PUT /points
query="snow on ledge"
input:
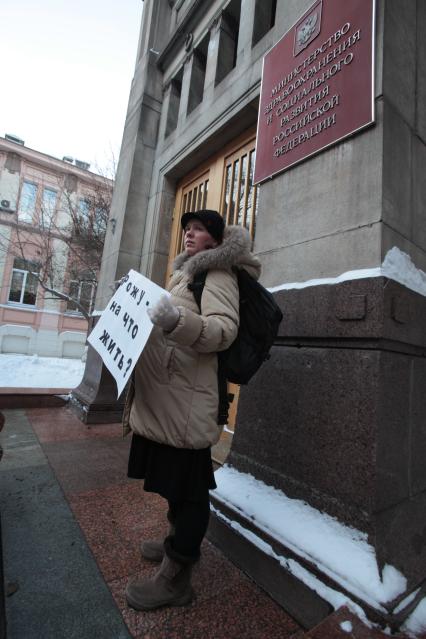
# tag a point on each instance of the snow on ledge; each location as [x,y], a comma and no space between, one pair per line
[397,266]
[416,622]
[349,275]
[334,598]
[341,552]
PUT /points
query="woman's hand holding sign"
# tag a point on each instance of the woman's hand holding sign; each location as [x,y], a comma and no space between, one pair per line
[123,328]
[164,314]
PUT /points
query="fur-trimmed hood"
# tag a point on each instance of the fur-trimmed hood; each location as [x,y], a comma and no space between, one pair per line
[235,250]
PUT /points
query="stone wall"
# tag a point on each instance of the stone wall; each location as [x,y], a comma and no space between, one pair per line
[336,416]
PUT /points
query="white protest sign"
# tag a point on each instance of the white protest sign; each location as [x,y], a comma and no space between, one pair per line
[124,326]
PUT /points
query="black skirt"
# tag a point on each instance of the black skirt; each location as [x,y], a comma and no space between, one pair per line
[176,474]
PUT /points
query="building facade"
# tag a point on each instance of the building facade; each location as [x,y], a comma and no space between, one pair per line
[42,202]
[336,416]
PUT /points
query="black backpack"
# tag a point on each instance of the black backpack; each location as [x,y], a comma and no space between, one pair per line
[260,318]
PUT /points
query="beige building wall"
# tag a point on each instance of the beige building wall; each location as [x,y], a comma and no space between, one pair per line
[45,328]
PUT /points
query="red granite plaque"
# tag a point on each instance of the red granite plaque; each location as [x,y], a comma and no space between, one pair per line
[317,84]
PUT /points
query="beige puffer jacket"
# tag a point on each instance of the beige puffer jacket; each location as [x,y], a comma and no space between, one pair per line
[174,399]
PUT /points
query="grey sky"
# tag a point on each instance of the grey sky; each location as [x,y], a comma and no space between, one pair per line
[66,70]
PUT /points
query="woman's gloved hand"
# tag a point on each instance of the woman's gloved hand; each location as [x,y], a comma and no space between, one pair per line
[164,314]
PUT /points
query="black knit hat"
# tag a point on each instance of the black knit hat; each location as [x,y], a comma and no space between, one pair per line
[212,221]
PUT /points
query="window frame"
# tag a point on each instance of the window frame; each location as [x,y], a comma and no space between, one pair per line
[81,282]
[26,216]
[47,210]
[21,303]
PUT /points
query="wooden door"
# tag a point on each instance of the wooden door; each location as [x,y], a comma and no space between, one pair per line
[192,195]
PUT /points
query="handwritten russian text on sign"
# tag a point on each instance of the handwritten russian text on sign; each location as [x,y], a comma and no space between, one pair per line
[317,84]
[124,326]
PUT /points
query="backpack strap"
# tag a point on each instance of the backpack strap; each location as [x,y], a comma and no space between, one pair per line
[197,287]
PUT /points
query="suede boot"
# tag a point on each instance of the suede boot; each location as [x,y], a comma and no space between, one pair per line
[170,586]
[153,550]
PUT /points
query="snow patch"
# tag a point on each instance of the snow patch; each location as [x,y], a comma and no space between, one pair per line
[397,266]
[32,371]
[416,622]
[346,626]
[341,552]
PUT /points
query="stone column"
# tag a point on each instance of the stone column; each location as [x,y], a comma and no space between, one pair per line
[212,58]
[94,399]
[186,83]
[245,34]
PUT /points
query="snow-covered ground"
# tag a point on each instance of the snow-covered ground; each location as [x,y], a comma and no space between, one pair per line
[31,371]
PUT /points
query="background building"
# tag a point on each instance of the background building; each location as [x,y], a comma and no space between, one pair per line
[53,215]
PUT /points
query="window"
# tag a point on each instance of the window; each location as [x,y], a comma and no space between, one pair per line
[23,288]
[83,208]
[174,102]
[47,207]
[240,200]
[80,217]
[198,74]
[228,40]
[49,200]
[264,18]
[27,202]
[84,292]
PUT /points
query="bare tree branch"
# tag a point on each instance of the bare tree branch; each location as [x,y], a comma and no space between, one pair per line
[65,241]
[62,296]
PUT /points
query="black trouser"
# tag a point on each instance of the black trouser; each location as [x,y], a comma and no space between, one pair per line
[190,519]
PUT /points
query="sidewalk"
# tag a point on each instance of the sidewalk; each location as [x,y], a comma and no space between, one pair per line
[71,526]
[72,523]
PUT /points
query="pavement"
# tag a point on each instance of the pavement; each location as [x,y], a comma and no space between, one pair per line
[72,523]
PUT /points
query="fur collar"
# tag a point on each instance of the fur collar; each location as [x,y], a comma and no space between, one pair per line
[234,251]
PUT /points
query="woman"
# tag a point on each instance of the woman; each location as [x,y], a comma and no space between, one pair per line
[172,408]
